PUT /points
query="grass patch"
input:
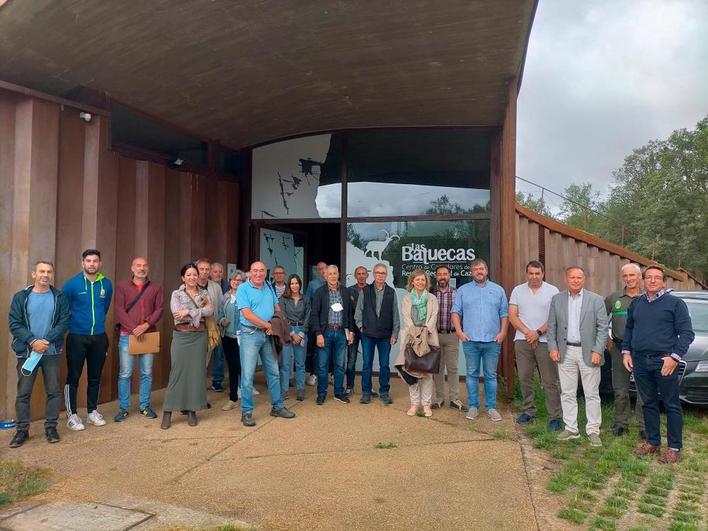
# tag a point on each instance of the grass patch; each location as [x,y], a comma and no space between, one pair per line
[611,512]
[501,434]
[18,481]
[686,517]
[655,490]
[603,523]
[385,446]
[653,510]
[572,515]
[681,526]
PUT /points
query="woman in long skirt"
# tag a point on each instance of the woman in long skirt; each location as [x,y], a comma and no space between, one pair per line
[186,391]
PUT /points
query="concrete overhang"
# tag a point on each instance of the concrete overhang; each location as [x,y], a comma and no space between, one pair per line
[246,72]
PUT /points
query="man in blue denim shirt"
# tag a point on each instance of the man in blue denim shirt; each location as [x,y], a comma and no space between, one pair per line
[257,304]
[480,316]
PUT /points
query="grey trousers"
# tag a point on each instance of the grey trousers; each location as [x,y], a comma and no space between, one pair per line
[620,386]
[50,374]
[449,356]
[527,359]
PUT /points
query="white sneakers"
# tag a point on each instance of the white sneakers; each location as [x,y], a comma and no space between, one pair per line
[311,380]
[74,423]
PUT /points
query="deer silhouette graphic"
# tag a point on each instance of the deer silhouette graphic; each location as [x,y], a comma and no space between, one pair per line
[375,248]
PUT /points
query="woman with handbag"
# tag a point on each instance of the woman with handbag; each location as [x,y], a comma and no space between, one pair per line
[190,307]
[230,323]
[419,311]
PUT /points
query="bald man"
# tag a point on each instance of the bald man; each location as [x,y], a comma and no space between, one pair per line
[257,303]
[138,307]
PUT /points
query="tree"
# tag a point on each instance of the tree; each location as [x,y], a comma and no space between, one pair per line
[533,203]
[580,206]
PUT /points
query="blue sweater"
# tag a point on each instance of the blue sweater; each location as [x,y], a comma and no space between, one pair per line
[663,325]
[89,302]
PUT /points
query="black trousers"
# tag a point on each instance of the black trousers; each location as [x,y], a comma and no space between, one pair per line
[233,360]
[93,350]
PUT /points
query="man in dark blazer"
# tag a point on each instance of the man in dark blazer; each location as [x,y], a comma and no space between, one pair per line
[331,323]
[577,333]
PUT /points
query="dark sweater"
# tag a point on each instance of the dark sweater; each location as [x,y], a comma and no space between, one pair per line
[661,326]
[319,314]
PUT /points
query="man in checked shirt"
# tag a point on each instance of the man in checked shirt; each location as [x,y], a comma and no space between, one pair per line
[449,343]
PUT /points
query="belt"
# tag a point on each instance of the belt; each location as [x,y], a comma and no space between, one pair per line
[568,343]
[256,328]
[188,327]
[295,323]
[334,327]
[446,331]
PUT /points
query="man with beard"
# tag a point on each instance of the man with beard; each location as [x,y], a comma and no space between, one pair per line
[89,294]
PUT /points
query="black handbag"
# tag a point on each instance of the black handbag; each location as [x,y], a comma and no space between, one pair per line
[429,363]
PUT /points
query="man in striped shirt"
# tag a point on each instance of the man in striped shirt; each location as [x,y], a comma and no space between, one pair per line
[449,343]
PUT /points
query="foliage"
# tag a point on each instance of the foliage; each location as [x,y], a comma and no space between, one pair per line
[537,204]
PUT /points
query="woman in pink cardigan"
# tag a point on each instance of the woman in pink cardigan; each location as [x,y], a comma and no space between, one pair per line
[419,308]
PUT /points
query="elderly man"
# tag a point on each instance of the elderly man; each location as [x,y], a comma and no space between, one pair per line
[39,317]
[279,280]
[361,275]
[138,308]
[257,304]
[331,322]
[616,305]
[377,317]
[216,296]
[577,332]
[480,315]
[658,334]
[528,312]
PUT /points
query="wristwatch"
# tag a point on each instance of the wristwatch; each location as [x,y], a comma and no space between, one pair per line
[539,332]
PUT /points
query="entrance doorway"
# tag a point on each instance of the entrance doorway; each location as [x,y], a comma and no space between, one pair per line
[297,246]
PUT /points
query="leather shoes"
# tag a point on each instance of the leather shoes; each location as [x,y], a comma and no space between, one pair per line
[52,435]
[19,439]
[619,431]
[192,418]
[166,420]
[670,456]
[283,413]
[646,448]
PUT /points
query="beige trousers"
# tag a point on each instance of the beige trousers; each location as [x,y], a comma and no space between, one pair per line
[449,355]
[422,392]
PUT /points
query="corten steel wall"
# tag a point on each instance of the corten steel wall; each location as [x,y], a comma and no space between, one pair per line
[559,246]
[63,191]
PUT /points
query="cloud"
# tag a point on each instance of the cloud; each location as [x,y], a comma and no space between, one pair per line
[603,78]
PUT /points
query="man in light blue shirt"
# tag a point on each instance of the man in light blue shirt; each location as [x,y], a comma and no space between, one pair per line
[480,315]
[257,304]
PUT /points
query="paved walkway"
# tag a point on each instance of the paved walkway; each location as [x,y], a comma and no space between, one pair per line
[321,470]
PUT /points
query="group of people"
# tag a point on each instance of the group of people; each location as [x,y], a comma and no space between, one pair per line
[562,334]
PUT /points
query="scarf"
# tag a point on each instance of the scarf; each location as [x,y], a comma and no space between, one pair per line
[420,303]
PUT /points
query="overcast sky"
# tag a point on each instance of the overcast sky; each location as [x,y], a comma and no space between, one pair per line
[605,77]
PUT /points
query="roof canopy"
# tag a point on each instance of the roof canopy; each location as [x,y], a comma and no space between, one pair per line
[248,72]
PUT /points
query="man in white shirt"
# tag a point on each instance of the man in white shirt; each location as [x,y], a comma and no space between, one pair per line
[528,313]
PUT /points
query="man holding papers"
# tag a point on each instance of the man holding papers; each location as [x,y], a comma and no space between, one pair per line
[139,304]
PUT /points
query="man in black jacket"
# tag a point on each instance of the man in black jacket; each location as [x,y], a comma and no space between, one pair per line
[331,323]
[39,317]
[377,317]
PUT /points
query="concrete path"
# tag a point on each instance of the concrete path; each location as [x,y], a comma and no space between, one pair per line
[321,470]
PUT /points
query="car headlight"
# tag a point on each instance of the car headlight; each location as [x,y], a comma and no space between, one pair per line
[702,366]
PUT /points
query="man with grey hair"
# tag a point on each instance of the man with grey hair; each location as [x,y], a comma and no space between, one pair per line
[279,280]
[376,315]
[331,323]
[616,305]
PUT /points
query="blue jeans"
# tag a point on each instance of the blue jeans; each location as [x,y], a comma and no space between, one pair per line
[126,372]
[217,368]
[298,352]
[334,349]
[488,352]
[384,348]
[352,353]
[651,384]
[254,344]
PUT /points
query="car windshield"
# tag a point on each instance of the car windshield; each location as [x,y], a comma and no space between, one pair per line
[699,315]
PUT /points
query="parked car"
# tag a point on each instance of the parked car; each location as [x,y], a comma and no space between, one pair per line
[693,369]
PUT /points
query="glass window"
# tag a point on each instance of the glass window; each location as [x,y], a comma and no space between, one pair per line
[408,245]
[418,172]
[298,178]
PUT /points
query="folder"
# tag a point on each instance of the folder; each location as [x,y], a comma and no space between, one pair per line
[148,343]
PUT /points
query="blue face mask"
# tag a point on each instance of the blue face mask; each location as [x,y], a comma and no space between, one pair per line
[31,363]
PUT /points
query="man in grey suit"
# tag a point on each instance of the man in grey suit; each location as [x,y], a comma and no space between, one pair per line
[577,332]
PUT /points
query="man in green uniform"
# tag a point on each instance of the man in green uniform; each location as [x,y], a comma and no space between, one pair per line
[616,305]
